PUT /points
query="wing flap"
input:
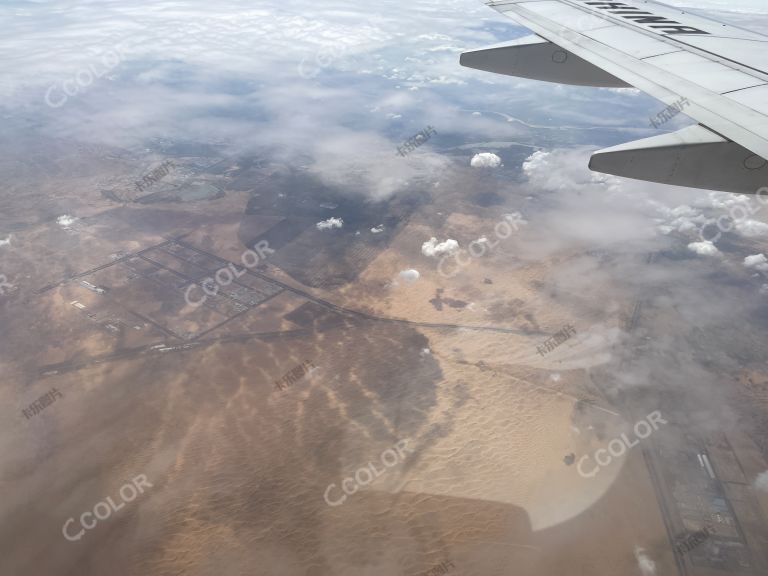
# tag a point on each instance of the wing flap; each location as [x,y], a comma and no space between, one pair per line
[631,43]
[711,75]
[537,58]
[694,156]
[754,98]
[747,53]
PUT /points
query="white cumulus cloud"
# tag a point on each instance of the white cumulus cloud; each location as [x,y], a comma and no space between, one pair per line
[330,224]
[485,160]
[761,482]
[433,248]
[705,248]
[647,566]
[758,262]
[66,221]
[751,228]
[410,275]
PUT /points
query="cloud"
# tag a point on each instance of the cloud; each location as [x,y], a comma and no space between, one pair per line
[761,482]
[6,241]
[433,249]
[566,169]
[359,162]
[377,229]
[66,221]
[590,208]
[410,276]
[330,224]
[683,219]
[705,248]
[758,262]
[644,562]
[485,160]
[751,228]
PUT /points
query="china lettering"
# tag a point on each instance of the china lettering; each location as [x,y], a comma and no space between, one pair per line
[41,403]
[415,141]
[565,334]
[294,375]
[640,16]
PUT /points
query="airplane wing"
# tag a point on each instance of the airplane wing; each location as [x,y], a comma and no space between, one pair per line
[716,73]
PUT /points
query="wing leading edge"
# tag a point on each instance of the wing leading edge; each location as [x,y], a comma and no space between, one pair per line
[719,71]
